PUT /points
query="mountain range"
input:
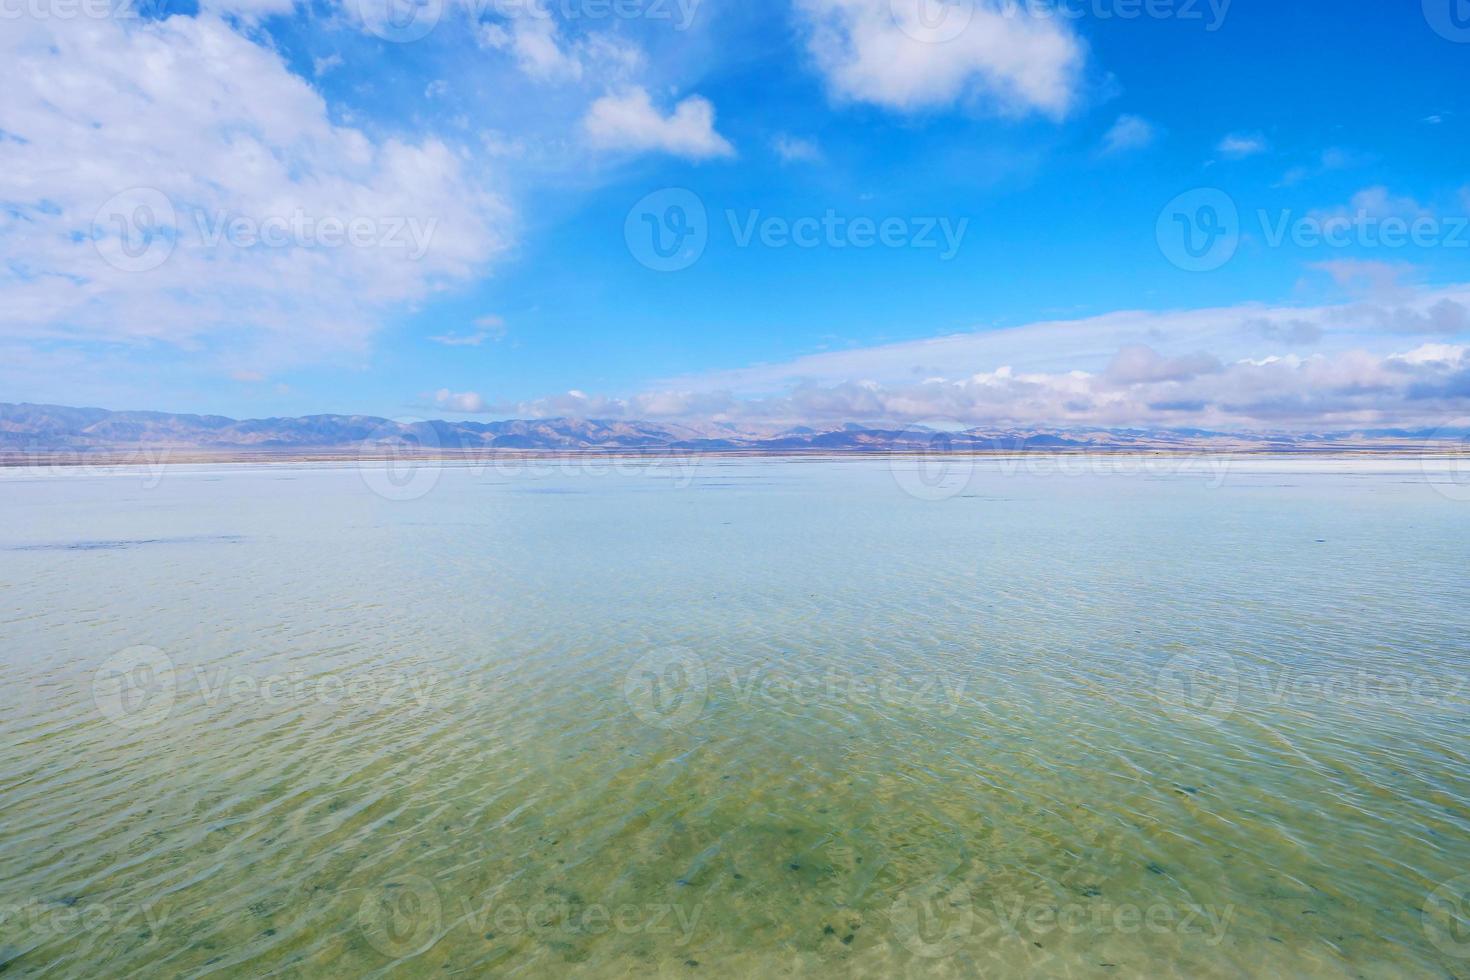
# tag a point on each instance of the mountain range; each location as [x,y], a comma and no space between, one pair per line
[41,429]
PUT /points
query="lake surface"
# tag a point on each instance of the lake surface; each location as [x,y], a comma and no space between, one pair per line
[737,718]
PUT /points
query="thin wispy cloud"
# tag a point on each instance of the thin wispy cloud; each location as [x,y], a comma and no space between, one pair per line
[1127,134]
[1330,161]
[486,328]
[794,149]
[1238,146]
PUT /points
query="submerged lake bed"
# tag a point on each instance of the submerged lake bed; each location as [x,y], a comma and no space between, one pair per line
[945,716]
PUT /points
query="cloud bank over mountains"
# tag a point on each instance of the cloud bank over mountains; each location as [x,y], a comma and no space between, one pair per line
[1388,362]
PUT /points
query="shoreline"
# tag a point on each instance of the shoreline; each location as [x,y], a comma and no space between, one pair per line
[171,456]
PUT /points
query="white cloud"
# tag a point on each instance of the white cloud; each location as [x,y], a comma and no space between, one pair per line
[895,54]
[1129,133]
[1348,389]
[1238,146]
[534,38]
[216,130]
[630,121]
[1228,368]
[793,149]
[537,49]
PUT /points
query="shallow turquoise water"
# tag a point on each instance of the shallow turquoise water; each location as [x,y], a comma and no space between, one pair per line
[739,717]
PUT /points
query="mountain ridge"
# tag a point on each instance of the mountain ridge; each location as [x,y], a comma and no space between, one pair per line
[37,428]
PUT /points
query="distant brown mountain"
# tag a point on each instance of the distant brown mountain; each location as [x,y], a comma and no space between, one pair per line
[26,428]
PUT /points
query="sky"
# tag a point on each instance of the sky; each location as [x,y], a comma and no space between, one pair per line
[1228,214]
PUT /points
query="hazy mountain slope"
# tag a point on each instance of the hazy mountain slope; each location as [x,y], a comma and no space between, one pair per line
[52,428]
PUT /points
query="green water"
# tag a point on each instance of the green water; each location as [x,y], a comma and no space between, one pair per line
[736,718]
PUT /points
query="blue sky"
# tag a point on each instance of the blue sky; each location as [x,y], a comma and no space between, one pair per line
[170,175]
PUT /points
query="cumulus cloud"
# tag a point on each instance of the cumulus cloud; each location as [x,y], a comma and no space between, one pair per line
[1129,133]
[210,201]
[896,54]
[630,121]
